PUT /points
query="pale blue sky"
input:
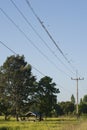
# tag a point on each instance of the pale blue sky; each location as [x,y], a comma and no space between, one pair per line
[66,20]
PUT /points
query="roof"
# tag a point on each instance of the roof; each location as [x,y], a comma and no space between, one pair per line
[30,114]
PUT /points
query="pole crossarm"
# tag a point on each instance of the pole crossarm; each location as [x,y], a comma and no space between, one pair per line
[77,78]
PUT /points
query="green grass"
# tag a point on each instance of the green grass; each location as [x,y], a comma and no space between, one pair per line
[63,123]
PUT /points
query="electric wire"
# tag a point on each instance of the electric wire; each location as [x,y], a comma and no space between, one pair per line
[15,54]
[29,39]
[27,21]
[8,48]
[52,52]
[50,36]
[30,64]
[23,33]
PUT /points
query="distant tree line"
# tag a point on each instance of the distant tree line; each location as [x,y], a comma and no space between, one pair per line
[20,92]
[69,107]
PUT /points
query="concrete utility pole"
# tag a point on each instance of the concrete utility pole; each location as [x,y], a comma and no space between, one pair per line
[77,79]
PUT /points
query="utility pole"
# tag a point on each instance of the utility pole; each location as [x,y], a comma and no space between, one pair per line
[77,79]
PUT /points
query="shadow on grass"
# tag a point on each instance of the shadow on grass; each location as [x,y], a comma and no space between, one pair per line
[9,128]
[4,128]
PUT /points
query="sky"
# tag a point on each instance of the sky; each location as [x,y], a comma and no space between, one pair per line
[66,21]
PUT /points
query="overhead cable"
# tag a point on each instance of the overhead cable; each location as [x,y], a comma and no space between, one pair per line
[27,21]
[23,33]
[50,36]
[8,47]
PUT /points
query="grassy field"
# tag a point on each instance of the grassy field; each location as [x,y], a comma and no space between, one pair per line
[47,124]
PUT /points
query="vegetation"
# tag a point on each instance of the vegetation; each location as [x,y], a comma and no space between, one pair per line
[63,123]
[45,96]
[73,99]
[18,85]
[20,93]
[19,90]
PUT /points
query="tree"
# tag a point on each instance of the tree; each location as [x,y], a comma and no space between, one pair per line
[58,109]
[67,107]
[83,108]
[85,99]
[73,99]
[19,83]
[4,98]
[83,105]
[46,96]
[81,101]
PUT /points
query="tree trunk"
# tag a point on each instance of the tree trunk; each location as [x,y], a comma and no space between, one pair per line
[17,117]
[40,118]
[6,117]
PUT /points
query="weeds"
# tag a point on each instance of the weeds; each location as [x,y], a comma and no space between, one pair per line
[47,124]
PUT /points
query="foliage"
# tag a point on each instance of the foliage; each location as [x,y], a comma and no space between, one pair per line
[59,110]
[46,96]
[73,99]
[83,105]
[19,83]
[83,108]
[19,90]
[67,107]
[85,99]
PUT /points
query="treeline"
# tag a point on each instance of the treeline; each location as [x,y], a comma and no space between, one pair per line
[69,107]
[20,91]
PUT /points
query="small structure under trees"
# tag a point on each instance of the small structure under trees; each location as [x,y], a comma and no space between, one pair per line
[29,116]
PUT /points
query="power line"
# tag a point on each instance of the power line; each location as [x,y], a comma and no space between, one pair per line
[32,66]
[16,53]
[50,36]
[27,21]
[23,33]
[8,48]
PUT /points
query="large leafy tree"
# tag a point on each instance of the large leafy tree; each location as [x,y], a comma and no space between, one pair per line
[19,83]
[46,96]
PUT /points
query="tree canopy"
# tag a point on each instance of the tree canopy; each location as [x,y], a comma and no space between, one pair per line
[19,89]
[46,95]
[18,82]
